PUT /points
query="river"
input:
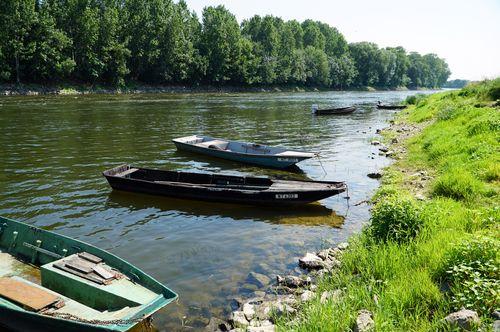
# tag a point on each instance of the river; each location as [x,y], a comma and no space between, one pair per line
[54,149]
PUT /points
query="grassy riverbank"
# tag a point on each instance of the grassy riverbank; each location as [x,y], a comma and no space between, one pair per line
[433,243]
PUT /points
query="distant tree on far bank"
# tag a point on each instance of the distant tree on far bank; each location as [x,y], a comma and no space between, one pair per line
[456,84]
[163,42]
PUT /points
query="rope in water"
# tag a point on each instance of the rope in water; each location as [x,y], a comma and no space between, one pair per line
[321,164]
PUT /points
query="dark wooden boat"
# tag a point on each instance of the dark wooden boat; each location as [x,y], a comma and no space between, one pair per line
[250,153]
[50,282]
[390,107]
[219,187]
[332,111]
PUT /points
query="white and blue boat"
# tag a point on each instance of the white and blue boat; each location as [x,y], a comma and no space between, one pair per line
[250,153]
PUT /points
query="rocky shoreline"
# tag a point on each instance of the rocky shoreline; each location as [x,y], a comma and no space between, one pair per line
[260,312]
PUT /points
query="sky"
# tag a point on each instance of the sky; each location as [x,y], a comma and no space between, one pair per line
[464,32]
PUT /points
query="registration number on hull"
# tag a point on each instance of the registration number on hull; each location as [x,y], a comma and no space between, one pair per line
[287,196]
[293,160]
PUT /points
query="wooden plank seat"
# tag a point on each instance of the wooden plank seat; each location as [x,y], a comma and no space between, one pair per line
[28,296]
[127,172]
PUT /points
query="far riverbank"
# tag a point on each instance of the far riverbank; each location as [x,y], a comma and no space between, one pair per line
[84,89]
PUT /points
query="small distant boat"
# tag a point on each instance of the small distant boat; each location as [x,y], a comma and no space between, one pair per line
[332,111]
[49,282]
[250,153]
[390,107]
[220,187]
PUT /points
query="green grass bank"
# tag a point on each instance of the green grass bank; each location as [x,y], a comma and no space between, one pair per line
[433,243]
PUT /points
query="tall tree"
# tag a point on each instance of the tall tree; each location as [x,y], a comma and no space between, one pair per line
[342,71]
[16,22]
[220,44]
[50,59]
[366,57]
[317,69]
[312,35]
[335,43]
[400,65]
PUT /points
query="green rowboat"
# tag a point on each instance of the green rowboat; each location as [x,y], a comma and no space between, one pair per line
[49,282]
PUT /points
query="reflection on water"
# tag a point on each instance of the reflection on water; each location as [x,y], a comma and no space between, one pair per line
[308,215]
[53,150]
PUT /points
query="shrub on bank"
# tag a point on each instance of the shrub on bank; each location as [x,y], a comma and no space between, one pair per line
[395,219]
[415,99]
[471,268]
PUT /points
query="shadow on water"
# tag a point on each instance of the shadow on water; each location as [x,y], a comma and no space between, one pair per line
[293,172]
[313,214]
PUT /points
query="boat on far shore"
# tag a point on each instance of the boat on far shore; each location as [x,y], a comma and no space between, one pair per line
[332,110]
[381,106]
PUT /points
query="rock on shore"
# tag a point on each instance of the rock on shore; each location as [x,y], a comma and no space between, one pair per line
[258,314]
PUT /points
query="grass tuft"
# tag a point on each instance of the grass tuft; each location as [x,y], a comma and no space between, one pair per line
[395,219]
[457,184]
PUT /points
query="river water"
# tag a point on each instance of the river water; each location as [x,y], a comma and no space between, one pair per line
[53,150]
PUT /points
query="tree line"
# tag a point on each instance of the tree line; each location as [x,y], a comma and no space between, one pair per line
[164,42]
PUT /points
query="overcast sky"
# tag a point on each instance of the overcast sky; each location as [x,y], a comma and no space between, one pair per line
[464,32]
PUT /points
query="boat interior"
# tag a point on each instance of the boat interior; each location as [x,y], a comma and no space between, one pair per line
[219,180]
[240,147]
[159,176]
[41,274]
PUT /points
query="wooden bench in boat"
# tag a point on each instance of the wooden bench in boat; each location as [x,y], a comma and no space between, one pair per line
[23,293]
[66,305]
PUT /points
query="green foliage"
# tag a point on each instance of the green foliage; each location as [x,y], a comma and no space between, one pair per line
[395,219]
[366,57]
[484,126]
[50,60]
[486,90]
[342,71]
[317,70]
[471,268]
[163,42]
[220,42]
[415,99]
[17,18]
[458,184]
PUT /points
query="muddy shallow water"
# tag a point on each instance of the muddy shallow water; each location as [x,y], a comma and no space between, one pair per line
[54,149]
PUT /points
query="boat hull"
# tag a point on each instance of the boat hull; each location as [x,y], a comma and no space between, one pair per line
[335,111]
[391,107]
[22,321]
[291,194]
[280,162]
